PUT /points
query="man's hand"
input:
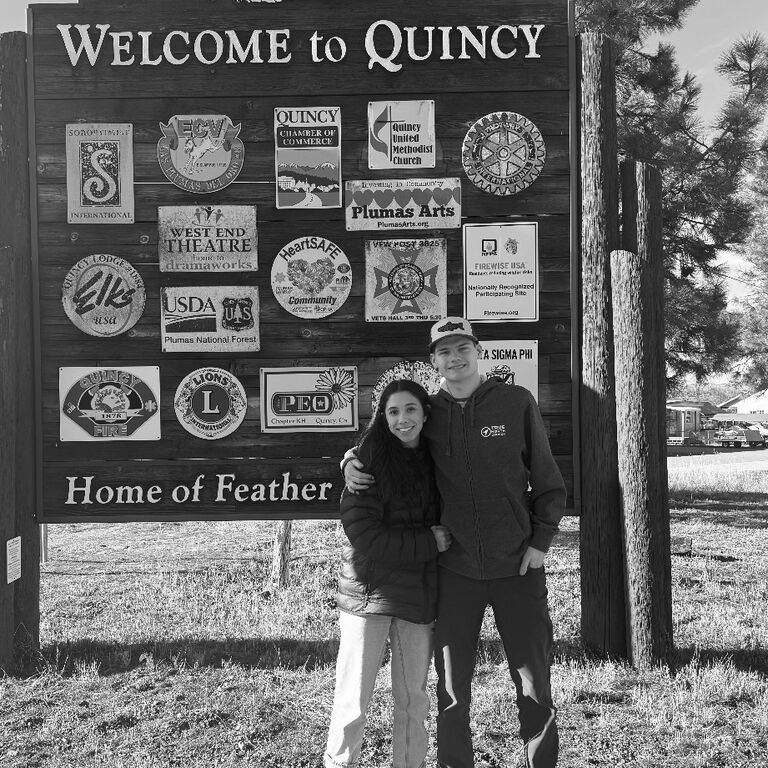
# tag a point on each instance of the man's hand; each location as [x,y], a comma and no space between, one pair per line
[533,558]
[442,537]
[355,478]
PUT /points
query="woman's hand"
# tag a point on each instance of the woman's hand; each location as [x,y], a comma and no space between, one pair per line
[442,537]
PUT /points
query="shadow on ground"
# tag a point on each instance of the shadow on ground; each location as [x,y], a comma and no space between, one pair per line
[735,513]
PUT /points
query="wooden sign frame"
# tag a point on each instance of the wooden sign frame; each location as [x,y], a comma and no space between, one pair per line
[243,63]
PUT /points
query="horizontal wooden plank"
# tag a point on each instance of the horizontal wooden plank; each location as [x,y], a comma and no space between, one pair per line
[259,162]
[548,110]
[227,490]
[55,77]
[548,195]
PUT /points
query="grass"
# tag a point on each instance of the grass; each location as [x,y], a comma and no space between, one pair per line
[163,646]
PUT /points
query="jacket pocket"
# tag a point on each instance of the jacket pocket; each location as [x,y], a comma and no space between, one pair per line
[504,528]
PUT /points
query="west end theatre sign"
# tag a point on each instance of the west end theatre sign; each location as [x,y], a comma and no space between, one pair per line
[216,305]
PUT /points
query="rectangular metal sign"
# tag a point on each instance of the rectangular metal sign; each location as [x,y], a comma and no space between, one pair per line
[222,318]
[403,204]
[405,280]
[401,134]
[207,238]
[99,173]
[308,157]
[13,560]
[501,272]
[309,399]
[513,361]
[105,404]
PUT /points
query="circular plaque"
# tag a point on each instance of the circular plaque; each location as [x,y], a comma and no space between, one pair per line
[503,153]
[421,373]
[103,295]
[210,403]
[311,277]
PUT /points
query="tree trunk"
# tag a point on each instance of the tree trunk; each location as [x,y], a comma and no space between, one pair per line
[602,569]
[642,234]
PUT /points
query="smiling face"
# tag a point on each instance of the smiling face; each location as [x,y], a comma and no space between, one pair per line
[405,417]
[455,359]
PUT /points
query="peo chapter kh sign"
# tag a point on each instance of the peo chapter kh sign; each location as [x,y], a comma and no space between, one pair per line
[207,238]
[99,173]
[200,153]
[309,399]
[105,404]
[210,319]
[405,280]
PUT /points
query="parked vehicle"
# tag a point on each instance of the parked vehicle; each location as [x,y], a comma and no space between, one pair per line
[739,437]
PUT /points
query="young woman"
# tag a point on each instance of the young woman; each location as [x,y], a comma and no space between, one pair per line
[388,581]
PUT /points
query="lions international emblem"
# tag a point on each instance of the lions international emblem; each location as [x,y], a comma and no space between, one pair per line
[503,153]
[200,153]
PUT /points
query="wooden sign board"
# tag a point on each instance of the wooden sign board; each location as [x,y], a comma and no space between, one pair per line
[217,108]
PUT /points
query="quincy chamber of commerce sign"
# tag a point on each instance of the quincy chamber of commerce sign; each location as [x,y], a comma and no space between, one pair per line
[246,221]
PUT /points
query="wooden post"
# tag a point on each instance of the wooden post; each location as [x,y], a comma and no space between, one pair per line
[17,466]
[281,556]
[642,234]
[602,570]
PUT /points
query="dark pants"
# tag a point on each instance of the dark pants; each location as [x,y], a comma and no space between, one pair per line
[522,618]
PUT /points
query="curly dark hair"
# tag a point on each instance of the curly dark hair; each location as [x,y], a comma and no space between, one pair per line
[384,455]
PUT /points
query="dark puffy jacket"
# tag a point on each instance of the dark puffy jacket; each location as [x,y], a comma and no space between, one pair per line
[389,566]
[502,490]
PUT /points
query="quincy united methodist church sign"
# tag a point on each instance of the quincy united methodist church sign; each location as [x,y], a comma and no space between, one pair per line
[247,215]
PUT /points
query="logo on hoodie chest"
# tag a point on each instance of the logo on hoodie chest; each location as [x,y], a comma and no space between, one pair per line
[496,430]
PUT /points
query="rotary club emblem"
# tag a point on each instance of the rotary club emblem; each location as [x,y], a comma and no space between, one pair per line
[503,153]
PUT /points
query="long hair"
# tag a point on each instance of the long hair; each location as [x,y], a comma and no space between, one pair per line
[393,465]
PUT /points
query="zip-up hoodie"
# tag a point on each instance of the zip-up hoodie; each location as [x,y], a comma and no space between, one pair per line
[486,455]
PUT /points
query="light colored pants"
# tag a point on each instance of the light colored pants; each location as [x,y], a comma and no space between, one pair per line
[361,650]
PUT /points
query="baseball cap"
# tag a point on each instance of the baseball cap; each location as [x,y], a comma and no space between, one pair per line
[450,326]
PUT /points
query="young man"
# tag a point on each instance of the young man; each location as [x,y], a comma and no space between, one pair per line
[502,498]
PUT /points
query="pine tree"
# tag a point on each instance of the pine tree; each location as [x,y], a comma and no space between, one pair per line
[703,171]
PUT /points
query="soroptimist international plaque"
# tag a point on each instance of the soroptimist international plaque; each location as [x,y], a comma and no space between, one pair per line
[200,153]
[222,318]
[103,295]
[210,403]
[311,277]
[405,279]
[99,173]
[513,361]
[309,399]
[207,238]
[403,204]
[501,272]
[104,404]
